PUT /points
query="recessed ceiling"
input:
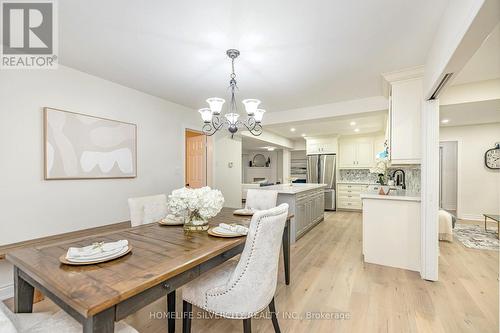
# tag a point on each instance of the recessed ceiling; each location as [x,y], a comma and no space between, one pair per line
[345,125]
[293,53]
[485,63]
[473,113]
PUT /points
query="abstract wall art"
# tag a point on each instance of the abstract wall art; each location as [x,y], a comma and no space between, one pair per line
[78,146]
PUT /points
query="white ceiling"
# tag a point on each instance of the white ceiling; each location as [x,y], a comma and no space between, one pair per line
[294,53]
[485,63]
[473,113]
[366,123]
[249,144]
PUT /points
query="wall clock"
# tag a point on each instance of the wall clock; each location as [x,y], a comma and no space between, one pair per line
[492,157]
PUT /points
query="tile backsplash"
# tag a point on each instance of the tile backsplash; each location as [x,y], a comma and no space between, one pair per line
[412,176]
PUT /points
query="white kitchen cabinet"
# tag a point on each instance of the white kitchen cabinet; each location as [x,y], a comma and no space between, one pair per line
[321,145]
[405,111]
[348,195]
[364,154]
[356,153]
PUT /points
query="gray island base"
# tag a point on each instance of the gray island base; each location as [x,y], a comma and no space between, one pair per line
[306,203]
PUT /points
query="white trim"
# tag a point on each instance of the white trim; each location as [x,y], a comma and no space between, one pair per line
[6,292]
[430,191]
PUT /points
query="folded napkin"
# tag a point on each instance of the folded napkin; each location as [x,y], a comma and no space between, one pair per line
[96,250]
[239,229]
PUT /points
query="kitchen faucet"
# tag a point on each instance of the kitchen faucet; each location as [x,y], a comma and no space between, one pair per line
[399,177]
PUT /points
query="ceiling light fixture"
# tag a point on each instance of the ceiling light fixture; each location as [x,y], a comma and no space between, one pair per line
[292,129]
[356,130]
[445,121]
[303,134]
[213,120]
[352,123]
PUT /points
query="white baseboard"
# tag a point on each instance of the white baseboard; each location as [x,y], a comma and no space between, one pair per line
[471,217]
[6,292]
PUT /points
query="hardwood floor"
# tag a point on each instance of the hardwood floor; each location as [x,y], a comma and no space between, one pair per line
[329,276]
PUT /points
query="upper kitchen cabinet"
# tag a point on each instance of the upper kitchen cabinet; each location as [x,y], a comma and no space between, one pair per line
[356,152]
[321,145]
[406,94]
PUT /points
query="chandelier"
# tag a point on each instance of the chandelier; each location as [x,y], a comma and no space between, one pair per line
[212,117]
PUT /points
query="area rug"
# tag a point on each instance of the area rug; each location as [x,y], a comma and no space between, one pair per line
[475,237]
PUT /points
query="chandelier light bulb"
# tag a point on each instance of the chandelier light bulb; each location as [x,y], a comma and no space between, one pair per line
[206,114]
[215,105]
[258,115]
[251,105]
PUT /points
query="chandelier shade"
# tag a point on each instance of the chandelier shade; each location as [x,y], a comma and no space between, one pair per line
[251,105]
[212,116]
[215,105]
[206,115]
[259,114]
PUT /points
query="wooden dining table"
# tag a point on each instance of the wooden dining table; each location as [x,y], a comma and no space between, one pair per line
[163,258]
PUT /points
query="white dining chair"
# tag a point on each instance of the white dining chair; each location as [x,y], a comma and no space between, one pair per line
[147,209]
[261,199]
[46,322]
[242,289]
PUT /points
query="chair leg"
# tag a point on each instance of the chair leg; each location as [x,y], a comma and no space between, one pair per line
[187,309]
[274,318]
[247,325]
[171,311]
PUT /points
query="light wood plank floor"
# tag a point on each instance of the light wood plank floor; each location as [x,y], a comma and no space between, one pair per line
[328,276]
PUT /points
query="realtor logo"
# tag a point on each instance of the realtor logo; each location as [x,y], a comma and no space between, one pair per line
[28,34]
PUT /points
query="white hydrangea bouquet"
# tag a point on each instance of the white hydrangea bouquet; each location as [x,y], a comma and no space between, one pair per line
[196,205]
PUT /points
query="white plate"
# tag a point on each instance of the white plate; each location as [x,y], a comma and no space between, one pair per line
[244,212]
[169,221]
[225,232]
[107,256]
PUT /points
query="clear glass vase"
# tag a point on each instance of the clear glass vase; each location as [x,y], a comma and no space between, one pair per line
[194,222]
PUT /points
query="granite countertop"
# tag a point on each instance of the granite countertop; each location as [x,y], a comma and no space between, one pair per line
[401,195]
[292,189]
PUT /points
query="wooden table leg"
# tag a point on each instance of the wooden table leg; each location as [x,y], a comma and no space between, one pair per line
[171,311]
[286,251]
[103,322]
[23,294]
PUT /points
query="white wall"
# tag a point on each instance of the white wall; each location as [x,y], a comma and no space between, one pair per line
[478,186]
[271,173]
[449,174]
[33,207]
[228,178]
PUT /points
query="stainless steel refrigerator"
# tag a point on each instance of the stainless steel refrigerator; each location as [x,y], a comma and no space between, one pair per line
[321,170]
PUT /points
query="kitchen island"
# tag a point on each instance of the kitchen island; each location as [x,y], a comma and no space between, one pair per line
[306,203]
[391,229]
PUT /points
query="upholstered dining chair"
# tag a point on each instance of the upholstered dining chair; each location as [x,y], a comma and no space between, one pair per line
[147,209]
[241,289]
[261,199]
[46,322]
